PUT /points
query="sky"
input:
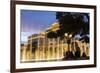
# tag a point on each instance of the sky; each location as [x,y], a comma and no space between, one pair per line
[34,22]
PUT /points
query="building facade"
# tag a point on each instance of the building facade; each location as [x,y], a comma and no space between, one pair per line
[41,48]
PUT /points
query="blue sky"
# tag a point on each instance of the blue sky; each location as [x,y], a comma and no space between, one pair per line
[33,21]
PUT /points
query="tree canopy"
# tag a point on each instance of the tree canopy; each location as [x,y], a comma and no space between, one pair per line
[71,23]
[75,23]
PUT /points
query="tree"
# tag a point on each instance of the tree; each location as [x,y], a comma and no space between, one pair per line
[85,39]
[52,34]
[74,23]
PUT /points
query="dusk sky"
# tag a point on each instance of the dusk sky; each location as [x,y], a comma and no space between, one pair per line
[33,21]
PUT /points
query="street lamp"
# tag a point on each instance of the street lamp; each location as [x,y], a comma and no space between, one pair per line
[70,35]
[66,34]
[68,54]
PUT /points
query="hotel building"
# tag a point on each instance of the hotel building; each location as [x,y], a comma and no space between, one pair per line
[41,48]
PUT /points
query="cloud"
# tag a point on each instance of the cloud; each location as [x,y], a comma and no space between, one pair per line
[24,36]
